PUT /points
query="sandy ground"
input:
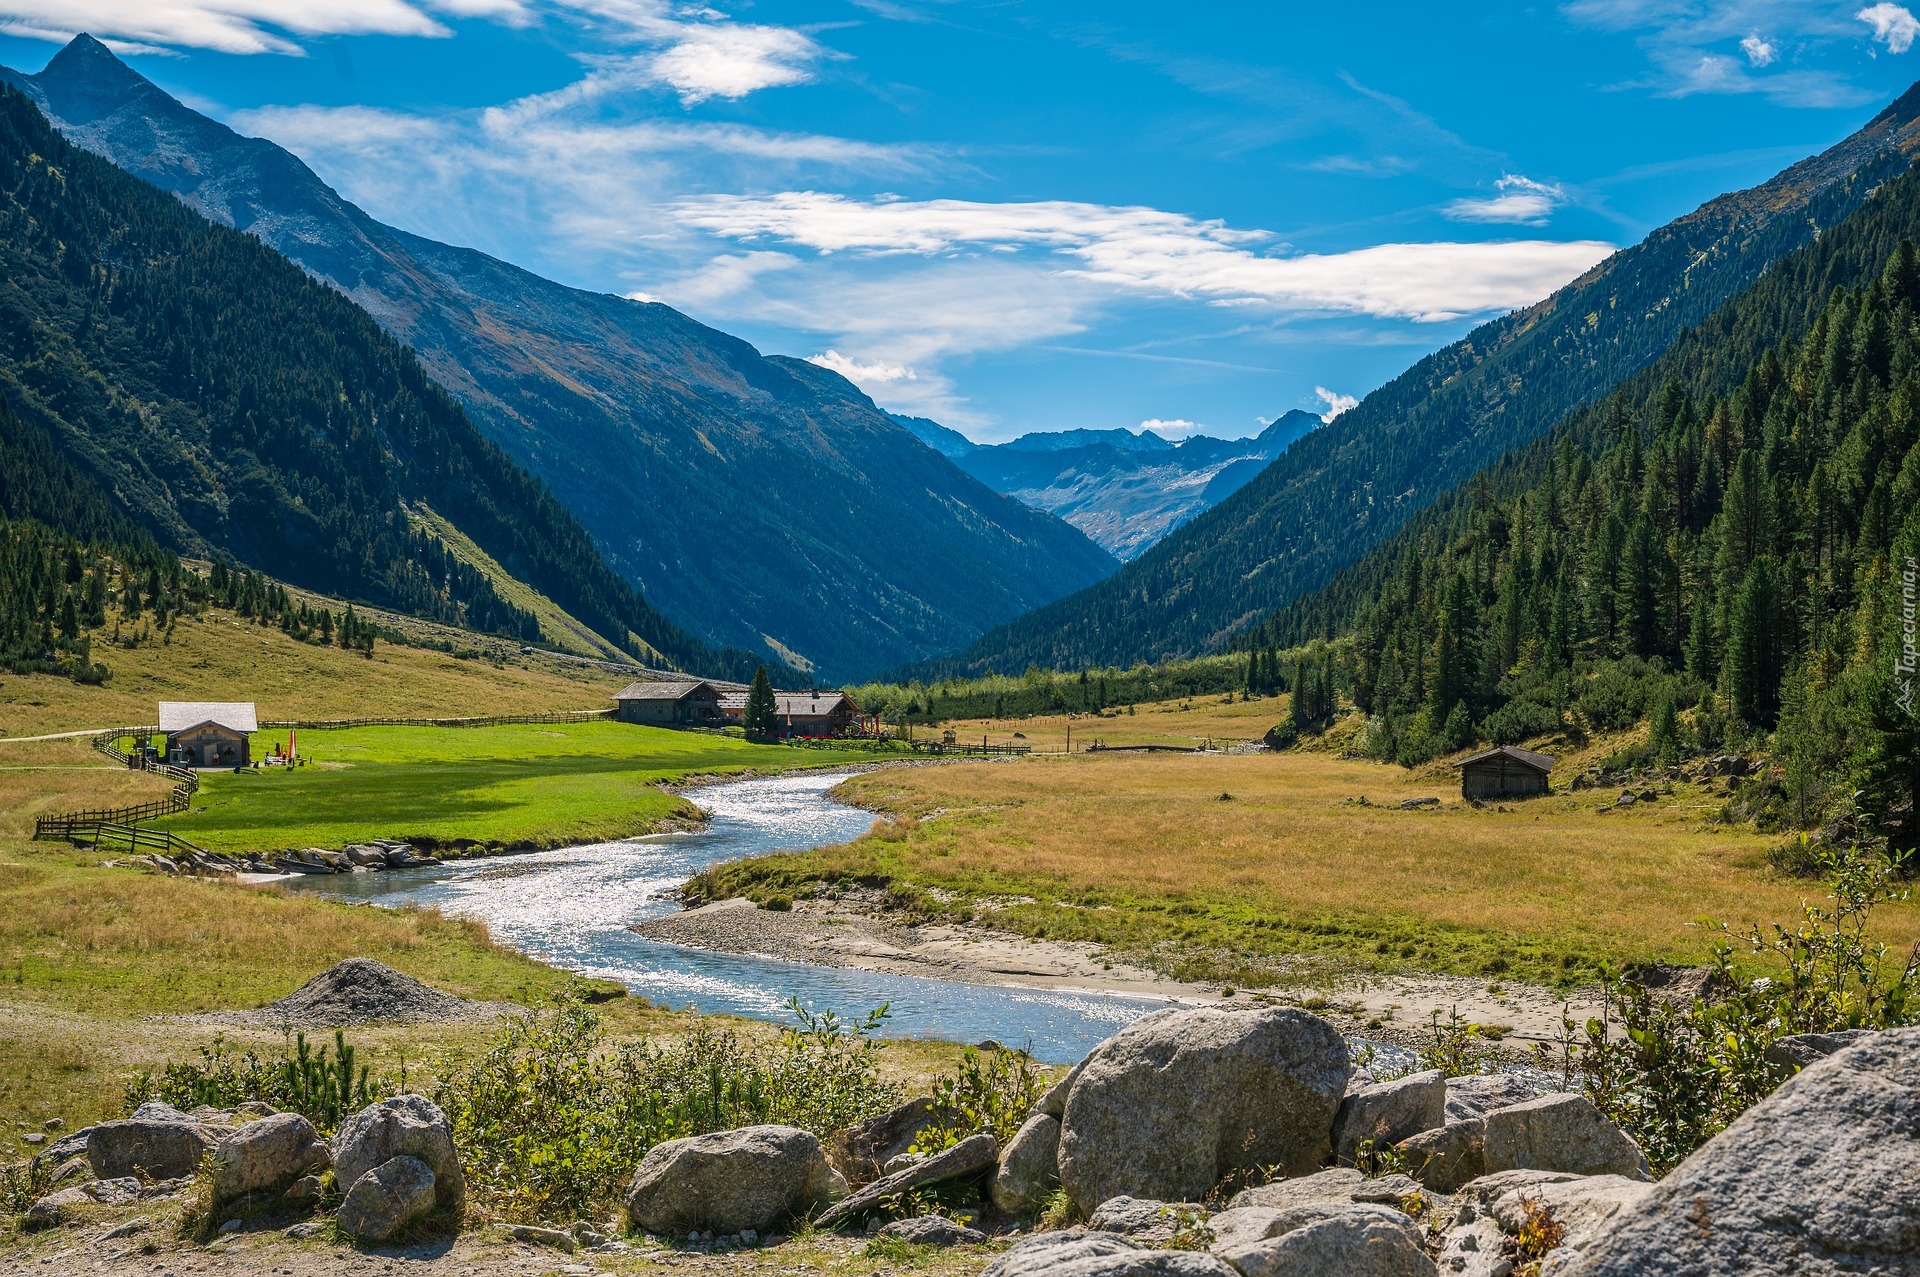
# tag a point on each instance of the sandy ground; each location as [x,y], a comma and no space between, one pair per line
[153,1250]
[852,932]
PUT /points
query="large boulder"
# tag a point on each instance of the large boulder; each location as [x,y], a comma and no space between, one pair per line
[1077,1254]
[1445,1158]
[1563,1132]
[1029,1169]
[1357,1242]
[727,1181]
[1147,1219]
[1814,1181]
[1177,1100]
[1478,1094]
[1387,1112]
[406,1125]
[970,1158]
[156,1147]
[387,1198]
[932,1230]
[1585,1207]
[267,1156]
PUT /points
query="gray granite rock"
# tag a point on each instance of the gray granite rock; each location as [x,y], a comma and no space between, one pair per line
[1816,1180]
[1388,1112]
[724,1181]
[1078,1254]
[1563,1132]
[1359,1242]
[1448,1156]
[157,1147]
[1801,1049]
[972,1156]
[1029,1169]
[1477,1094]
[410,1125]
[386,1199]
[1170,1105]
[932,1230]
[1145,1218]
[1337,1185]
[266,1156]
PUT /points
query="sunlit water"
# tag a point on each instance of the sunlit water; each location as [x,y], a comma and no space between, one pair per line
[573,908]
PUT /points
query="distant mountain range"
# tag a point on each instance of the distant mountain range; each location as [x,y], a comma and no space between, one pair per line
[762,501]
[1344,489]
[1125,489]
[163,374]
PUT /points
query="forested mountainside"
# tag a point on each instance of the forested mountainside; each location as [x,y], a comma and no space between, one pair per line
[761,501]
[1125,490]
[1344,489]
[1726,533]
[166,374]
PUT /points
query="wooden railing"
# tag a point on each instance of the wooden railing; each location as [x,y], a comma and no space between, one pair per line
[80,824]
[136,840]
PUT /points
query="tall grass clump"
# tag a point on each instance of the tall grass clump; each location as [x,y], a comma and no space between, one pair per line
[553,1120]
[1675,1076]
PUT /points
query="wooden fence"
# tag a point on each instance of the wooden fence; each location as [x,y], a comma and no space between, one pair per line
[132,839]
[490,720]
[75,825]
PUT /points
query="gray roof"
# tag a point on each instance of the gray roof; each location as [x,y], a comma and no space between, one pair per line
[797,704]
[1539,762]
[178,716]
[659,691]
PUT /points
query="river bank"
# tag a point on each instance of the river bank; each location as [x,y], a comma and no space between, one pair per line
[853,928]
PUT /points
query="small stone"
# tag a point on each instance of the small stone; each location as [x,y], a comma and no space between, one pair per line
[932,1230]
[34,1137]
[304,1189]
[231,1226]
[543,1237]
[312,1228]
[54,1124]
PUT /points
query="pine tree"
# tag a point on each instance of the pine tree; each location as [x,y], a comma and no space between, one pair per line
[762,717]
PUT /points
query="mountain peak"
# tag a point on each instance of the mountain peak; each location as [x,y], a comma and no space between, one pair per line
[86,58]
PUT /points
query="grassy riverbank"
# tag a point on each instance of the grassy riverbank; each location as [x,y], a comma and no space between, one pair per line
[516,786]
[1226,867]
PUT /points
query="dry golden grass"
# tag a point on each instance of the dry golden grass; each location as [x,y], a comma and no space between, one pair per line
[216,657]
[1190,722]
[1143,851]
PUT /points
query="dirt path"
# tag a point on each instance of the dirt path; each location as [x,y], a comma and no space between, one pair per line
[853,931]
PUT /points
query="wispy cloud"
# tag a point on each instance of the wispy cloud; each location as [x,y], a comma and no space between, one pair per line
[1520,201]
[1893,25]
[1175,428]
[1147,250]
[696,53]
[863,375]
[1336,403]
[1717,46]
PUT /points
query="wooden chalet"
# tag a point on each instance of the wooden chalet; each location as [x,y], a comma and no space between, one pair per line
[208,733]
[1504,772]
[813,714]
[670,703]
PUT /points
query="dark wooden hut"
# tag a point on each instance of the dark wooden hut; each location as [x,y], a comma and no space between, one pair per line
[1504,772]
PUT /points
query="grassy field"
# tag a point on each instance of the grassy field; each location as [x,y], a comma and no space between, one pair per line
[218,657]
[1191,722]
[520,786]
[1223,866]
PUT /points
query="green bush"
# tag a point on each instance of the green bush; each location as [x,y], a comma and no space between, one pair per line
[991,1091]
[552,1121]
[325,1090]
[1676,1076]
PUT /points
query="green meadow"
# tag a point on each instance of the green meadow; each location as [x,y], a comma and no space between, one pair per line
[518,786]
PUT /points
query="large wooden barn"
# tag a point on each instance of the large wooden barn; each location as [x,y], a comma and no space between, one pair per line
[1504,772]
[208,733]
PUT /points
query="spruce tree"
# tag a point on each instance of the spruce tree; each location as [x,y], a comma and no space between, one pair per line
[762,717]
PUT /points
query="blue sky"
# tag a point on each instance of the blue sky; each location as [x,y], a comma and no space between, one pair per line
[1033,215]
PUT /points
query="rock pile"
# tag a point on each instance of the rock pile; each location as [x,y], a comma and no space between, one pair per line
[396,1163]
[363,991]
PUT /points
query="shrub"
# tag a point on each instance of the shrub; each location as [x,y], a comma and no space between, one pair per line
[323,1090]
[1678,1075]
[552,1121]
[992,1091]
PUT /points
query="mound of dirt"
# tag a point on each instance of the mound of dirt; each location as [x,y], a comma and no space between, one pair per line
[362,991]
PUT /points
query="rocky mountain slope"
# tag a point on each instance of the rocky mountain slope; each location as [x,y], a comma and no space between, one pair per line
[765,501]
[1343,490]
[160,372]
[1126,490]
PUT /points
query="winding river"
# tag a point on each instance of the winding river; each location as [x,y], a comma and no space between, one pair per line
[573,908]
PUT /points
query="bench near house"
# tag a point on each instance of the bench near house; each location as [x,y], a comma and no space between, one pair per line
[1505,772]
[208,733]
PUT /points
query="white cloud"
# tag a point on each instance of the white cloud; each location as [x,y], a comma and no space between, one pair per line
[699,54]
[1716,47]
[1177,428]
[1147,250]
[1521,201]
[865,375]
[229,26]
[1336,403]
[1760,52]
[1893,25]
